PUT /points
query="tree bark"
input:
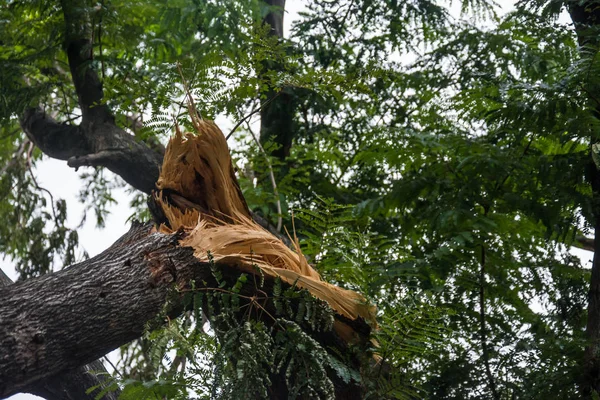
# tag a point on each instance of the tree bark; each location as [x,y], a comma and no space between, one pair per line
[586,18]
[275,18]
[277,113]
[94,144]
[70,385]
[60,321]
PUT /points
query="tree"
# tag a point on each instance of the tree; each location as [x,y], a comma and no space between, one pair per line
[447,189]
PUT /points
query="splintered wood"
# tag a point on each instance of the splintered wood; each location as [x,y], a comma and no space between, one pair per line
[198,192]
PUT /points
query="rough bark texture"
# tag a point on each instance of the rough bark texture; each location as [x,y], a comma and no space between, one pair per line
[586,18]
[4,279]
[63,320]
[69,385]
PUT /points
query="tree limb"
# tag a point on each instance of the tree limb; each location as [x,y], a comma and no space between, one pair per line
[62,320]
[491,382]
[73,384]
[79,48]
[97,141]
[275,17]
[584,243]
[101,144]
[54,139]
[586,20]
[277,113]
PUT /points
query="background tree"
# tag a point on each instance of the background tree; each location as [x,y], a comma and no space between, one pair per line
[441,165]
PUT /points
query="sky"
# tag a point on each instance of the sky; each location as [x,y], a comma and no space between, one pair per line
[64,182]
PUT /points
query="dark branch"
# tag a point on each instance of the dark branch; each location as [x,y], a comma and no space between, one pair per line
[100,145]
[586,19]
[63,320]
[53,138]
[584,243]
[70,385]
[79,48]
[4,279]
[275,17]
[277,114]
[97,141]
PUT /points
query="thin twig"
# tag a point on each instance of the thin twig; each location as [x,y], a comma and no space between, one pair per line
[180,106]
[193,111]
[15,157]
[113,366]
[263,105]
[483,330]
[272,176]
[37,186]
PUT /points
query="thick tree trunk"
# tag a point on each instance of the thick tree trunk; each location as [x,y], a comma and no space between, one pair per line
[586,18]
[63,320]
[277,113]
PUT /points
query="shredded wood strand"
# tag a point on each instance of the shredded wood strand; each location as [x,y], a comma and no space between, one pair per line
[204,199]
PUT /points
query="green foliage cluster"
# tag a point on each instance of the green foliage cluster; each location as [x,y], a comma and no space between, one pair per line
[238,357]
[34,232]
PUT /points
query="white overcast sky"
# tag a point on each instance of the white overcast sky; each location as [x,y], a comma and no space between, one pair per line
[64,182]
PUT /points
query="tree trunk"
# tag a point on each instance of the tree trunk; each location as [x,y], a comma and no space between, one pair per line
[55,323]
[586,18]
[277,113]
[73,384]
